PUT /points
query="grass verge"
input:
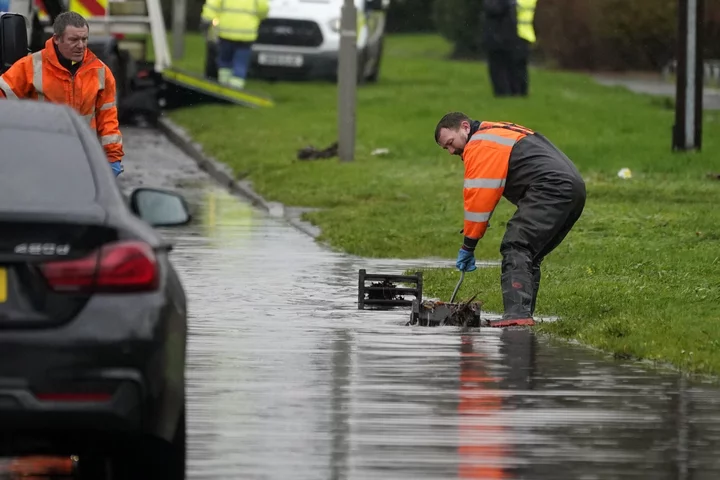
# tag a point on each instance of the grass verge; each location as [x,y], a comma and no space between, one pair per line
[638,275]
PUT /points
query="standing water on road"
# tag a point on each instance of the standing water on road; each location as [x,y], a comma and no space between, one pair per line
[287,379]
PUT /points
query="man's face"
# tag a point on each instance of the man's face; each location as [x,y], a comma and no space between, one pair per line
[73,42]
[454,140]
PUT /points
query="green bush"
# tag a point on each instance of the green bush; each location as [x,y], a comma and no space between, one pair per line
[587,34]
[460,21]
[410,16]
[617,34]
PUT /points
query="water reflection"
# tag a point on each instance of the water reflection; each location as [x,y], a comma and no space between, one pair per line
[288,379]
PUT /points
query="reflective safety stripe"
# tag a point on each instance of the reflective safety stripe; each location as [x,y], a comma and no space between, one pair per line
[477,216]
[6,89]
[38,74]
[110,139]
[101,77]
[484,183]
[240,10]
[237,30]
[88,118]
[494,138]
[108,106]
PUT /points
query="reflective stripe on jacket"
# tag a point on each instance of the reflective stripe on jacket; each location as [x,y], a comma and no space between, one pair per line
[90,92]
[237,20]
[486,158]
[525,17]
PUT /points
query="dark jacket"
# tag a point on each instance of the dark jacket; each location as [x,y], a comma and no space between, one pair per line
[499,24]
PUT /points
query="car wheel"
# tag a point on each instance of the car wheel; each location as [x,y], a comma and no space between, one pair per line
[143,460]
[373,77]
[211,69]
[362,60]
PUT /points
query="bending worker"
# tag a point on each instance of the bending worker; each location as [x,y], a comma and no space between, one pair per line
[67,72]
[237,23]
[504,159]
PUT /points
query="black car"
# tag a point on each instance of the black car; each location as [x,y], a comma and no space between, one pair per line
[93,322]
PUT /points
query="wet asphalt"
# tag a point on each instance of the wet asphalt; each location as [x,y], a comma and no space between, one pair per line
[288,379]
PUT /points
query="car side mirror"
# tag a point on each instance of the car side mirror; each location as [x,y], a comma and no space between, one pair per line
[13,39]
[160,208]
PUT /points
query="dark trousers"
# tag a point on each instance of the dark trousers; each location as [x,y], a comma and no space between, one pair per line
[508,68]
[234,55]
[545,215]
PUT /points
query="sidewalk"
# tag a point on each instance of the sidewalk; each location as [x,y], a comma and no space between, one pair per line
[654,85]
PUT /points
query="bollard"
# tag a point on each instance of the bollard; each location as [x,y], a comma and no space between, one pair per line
[347,82]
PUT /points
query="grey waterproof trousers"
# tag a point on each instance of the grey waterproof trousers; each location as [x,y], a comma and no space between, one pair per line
[546,213]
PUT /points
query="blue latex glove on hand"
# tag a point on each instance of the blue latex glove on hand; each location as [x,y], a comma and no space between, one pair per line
[117,168]
[466,261]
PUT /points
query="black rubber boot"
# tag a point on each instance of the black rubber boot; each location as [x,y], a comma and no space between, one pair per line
[536,287]
[517,289]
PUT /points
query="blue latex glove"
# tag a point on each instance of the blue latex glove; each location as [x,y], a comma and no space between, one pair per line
[466,261]
[117,168]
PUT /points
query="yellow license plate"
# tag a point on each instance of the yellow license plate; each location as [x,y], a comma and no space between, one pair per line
[3,284]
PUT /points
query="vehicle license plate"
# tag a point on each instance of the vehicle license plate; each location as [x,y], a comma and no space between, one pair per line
[280,60]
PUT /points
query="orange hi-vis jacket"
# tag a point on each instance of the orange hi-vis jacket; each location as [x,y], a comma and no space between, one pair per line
[486,157]
[90,91]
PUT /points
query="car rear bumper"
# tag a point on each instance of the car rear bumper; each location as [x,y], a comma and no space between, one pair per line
[116,402]
[116,369]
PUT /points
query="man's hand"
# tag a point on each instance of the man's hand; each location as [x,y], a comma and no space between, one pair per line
[117,168]
[466,261]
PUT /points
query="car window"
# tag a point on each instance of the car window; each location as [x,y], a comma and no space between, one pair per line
[43,168]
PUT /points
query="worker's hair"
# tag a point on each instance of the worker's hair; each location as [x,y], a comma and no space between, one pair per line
[68,19]
[451,121]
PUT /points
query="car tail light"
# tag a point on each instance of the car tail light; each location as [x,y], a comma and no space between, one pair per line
[129,266]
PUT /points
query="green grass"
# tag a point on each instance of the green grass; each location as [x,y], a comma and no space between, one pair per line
[638,276]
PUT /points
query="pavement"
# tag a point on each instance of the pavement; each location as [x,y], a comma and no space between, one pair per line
[654,84]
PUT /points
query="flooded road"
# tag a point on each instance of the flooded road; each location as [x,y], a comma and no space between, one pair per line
[287,379]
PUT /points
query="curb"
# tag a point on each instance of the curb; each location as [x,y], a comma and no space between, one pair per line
[222,174]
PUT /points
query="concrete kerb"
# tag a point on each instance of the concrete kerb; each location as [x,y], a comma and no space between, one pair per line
[224,176]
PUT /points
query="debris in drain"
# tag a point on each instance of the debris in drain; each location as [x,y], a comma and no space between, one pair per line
[385,291]
[430,313]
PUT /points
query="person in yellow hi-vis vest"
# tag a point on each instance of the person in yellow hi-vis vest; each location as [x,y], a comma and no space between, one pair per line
[237,23]
[508,34]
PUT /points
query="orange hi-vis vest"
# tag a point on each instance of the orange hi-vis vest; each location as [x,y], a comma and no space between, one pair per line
[486,158]
[90,91]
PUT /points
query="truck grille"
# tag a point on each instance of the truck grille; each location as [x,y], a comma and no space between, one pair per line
[298,33]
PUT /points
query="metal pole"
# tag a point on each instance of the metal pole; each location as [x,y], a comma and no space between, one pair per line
[178,30]
[687,131]
[347,81]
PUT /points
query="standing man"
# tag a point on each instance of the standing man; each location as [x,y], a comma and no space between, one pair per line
[67,72]
[237,23]
[504,159]
[509,33]
[500,38]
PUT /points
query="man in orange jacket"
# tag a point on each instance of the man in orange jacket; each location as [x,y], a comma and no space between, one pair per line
[67,72]
[505,159]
